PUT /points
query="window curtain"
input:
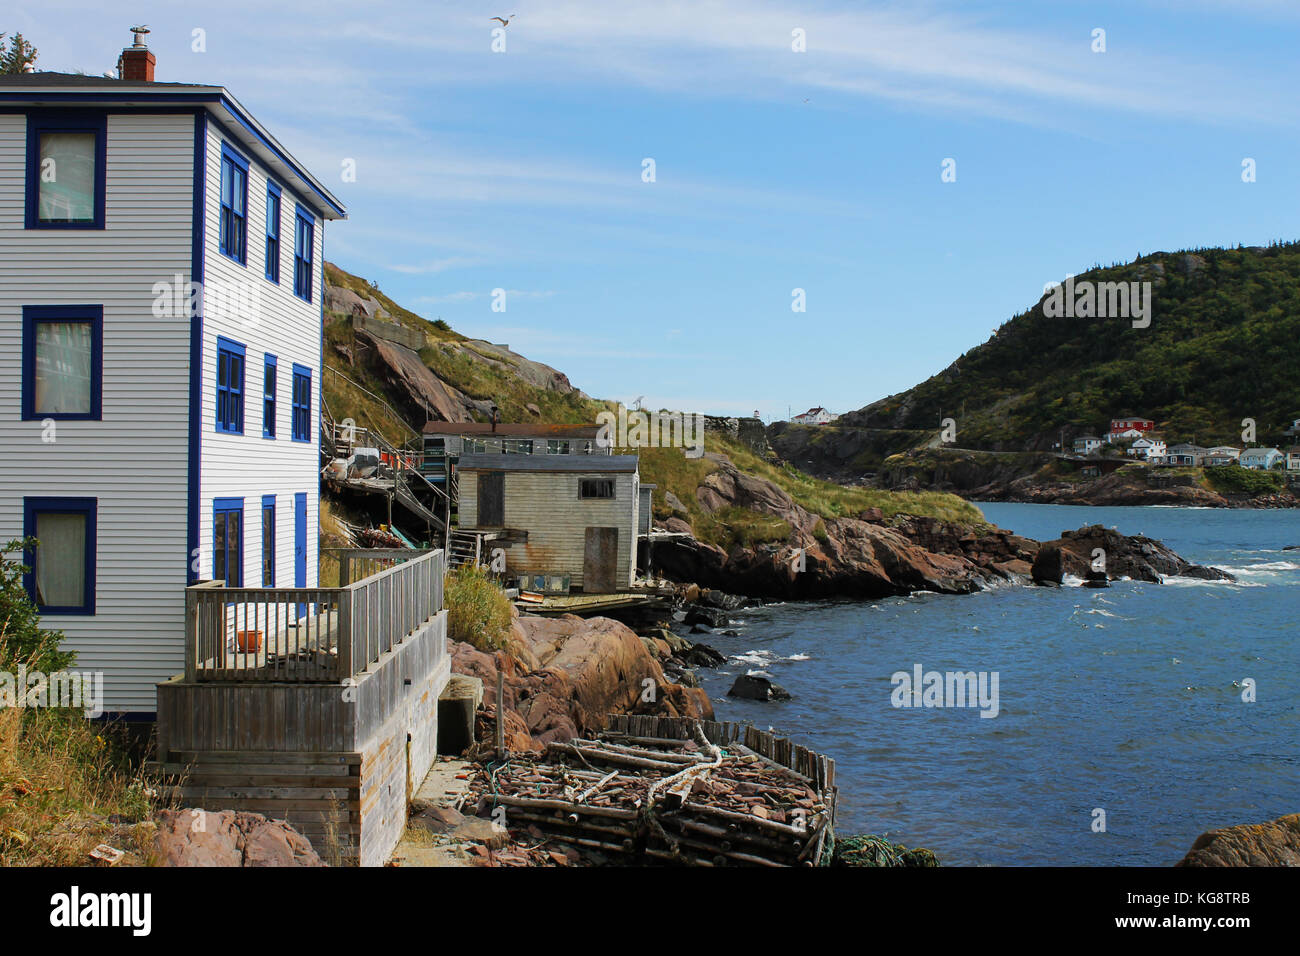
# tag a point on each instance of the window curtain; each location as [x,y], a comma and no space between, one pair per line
[63,357]
[67,177]
[61,560]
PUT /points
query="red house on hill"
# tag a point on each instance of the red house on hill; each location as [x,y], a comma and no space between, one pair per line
[1124,424]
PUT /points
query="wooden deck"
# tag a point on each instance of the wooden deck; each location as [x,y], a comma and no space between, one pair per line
[329,720]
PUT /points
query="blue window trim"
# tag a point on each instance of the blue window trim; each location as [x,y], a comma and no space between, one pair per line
[85,506]
[301,373]
[237,159]
[94,314]
[302,286]
[224,506]
[269,399]
[268,502]
[273,261]
[235,348]
[62,121]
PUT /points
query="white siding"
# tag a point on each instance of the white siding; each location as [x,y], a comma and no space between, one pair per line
[134,460]
[249,466]
[547,506]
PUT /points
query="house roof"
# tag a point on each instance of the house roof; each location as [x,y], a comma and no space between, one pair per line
[74,90]
[583,464]
[512,430]
[1260,451]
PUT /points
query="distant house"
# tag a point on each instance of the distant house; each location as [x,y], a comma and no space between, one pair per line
[1127,434]
[1222,455]
[1186,455]
[814,416]
[1293,459]
[1140,425]
[1260,458]
[1086,444]
[573,515]
[445,442]
[1148,448]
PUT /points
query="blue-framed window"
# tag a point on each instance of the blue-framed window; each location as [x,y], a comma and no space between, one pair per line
[63,362]
[304,235]
[234,205]
[268,396]
[301,403]
[228,541]
[268,541]
[67,155]
[273,232]
[230,386]
[62,575]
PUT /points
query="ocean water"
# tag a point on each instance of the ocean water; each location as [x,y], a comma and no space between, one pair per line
[1127,700]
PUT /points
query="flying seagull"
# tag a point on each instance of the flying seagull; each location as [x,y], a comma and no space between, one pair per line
[505,21]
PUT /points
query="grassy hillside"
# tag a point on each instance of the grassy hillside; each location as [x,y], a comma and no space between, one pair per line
[1223,345]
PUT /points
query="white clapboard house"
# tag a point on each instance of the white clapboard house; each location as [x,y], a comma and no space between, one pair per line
[154,437]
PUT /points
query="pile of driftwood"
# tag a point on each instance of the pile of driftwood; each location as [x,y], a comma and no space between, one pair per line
[628,798]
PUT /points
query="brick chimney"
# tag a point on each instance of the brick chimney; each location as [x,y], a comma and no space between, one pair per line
[136,62]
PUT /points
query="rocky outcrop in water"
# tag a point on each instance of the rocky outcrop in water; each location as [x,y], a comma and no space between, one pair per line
[1276,843]
[1079,553]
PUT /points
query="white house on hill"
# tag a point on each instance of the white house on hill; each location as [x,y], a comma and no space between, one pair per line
[157,436]
[814,416]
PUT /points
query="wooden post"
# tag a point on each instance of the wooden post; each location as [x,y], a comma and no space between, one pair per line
[501,716]
[191,632]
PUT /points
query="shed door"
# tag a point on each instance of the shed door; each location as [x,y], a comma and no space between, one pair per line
[491,499]
[600,561]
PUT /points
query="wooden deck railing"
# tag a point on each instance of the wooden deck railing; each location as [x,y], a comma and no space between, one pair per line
[308,634]
[358,563]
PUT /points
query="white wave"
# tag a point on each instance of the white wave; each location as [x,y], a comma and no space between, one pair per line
[799,657]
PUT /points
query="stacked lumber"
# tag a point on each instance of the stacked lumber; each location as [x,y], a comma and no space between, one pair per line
[625,798]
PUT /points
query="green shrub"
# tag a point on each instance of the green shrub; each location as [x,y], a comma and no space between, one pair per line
[478,612]
[1235,480]
[21,639]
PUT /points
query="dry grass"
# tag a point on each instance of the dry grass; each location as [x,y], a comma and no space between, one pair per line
[64,789]
[478,612]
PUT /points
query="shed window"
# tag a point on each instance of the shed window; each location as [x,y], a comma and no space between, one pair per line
[62,575]
[554,447]
[596,488]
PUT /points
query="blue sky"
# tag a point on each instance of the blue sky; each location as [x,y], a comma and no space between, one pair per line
[775,169]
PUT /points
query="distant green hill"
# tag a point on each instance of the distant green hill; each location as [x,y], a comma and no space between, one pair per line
[1223,344]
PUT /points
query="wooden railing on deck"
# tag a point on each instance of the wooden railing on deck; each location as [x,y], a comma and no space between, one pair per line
[308,634]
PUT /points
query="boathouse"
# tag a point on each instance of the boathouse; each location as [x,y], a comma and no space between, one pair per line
[574,516]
